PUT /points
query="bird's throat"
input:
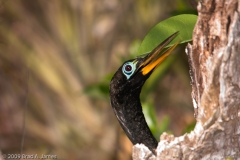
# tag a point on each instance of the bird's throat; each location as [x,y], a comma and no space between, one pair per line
[128,110]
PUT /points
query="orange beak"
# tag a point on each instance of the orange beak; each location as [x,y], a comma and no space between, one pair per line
[154,58]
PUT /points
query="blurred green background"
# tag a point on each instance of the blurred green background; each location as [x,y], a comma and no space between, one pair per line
[56,60]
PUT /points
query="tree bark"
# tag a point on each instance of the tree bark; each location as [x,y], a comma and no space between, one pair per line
[214,59]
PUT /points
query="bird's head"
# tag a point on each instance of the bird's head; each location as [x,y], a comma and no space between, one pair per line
[133,73]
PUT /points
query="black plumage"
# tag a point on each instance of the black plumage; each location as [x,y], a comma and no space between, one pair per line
[125,89]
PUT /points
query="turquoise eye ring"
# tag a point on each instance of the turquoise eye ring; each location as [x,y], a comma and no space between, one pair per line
[128,69]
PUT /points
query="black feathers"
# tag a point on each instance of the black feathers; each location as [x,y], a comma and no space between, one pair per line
[125,89]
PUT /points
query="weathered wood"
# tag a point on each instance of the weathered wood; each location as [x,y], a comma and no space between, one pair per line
[214,59]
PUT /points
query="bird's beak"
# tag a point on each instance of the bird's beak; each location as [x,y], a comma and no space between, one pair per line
[154,58]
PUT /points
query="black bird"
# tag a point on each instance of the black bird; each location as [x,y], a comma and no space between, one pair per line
[125,88]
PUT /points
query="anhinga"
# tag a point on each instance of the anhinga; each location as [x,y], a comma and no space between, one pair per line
[125,88]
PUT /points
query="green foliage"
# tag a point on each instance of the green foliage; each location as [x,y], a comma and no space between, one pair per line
[183,7]
[184,23]
[99,90]
[156,127]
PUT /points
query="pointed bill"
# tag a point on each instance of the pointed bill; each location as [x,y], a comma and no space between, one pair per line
[154,58]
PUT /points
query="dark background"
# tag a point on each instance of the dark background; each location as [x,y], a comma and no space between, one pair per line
[56,61]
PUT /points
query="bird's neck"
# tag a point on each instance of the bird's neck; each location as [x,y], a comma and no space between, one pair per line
[127,107]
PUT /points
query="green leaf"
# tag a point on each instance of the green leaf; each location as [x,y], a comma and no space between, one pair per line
[183,23]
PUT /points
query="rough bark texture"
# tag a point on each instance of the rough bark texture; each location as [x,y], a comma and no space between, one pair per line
[214,60]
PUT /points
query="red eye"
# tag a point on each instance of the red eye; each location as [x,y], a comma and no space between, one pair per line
[128,68]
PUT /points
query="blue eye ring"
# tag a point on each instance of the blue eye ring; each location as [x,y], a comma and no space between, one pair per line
[128,69]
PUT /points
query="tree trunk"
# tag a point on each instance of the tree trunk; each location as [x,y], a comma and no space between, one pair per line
[214,60]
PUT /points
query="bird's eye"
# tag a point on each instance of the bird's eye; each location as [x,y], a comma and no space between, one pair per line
[128,69]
